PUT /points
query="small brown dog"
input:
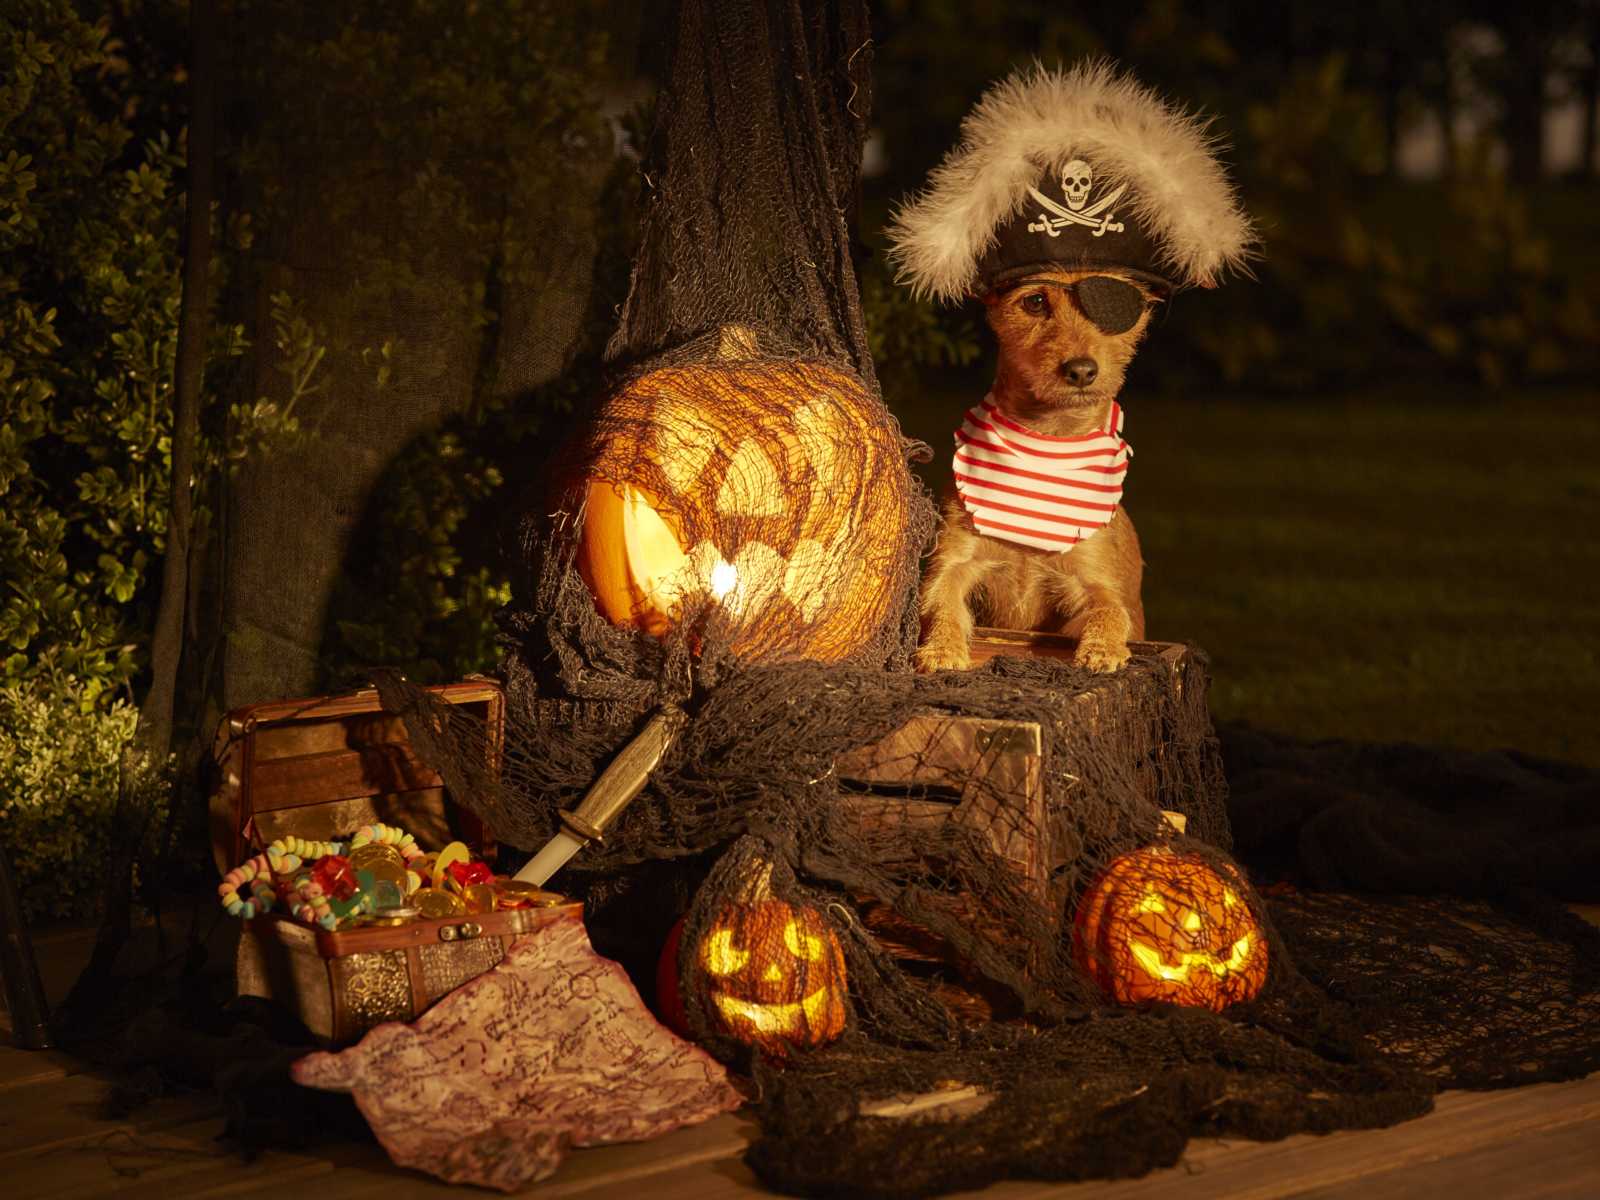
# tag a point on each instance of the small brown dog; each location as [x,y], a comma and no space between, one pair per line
[1074,201]
[1058,375]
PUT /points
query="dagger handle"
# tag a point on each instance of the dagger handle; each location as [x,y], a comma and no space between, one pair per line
[626,775]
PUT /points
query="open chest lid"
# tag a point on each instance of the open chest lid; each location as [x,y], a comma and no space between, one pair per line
[323,766]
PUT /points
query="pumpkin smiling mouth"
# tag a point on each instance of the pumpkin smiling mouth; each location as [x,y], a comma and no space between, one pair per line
[775,1018]
[1149,958]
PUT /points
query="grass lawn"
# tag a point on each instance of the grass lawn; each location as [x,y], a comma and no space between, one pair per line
[1373,567]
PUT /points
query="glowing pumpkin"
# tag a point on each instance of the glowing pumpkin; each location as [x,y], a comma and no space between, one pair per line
[1160,925]
[773,494]
[773,977]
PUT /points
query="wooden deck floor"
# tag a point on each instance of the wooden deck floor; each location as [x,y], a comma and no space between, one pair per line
[1541,1141]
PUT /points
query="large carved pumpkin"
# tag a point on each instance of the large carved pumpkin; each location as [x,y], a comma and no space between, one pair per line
[773,976]
[1161,925]
[773,495]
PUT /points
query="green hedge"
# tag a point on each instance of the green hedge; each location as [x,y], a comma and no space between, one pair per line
[58,788]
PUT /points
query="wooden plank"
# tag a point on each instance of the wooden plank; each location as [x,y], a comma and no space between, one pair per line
[1589,912]
[320,708]
[937,748]
[625,1170]
[123,1160]
[65,1112]
[711,1179]
[26,1068]
[878,813]
[1463,1122]
[1562,1162]
[989,641]
[338,775]
[1534,1141]
[1490,1125]
[290,738]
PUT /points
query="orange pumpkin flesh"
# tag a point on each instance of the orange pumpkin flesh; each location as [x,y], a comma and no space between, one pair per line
[747,486]
[633,571]
[1164,926]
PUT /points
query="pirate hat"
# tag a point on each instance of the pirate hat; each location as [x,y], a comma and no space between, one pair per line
[1079,168]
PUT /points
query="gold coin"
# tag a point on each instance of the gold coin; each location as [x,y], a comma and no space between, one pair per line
[517,887]
[393,872]
[435,902]
[531,895]
[455,852]
[373,856]
[479,897]
[388,920]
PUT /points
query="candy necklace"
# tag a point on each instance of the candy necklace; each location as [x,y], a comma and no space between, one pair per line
[312,907]
[257,872]
[387,835]
[288,854]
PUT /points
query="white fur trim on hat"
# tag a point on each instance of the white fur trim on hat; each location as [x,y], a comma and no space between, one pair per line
[1041,119]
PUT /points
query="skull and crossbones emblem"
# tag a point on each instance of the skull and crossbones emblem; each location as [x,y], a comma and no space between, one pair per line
[1077,177]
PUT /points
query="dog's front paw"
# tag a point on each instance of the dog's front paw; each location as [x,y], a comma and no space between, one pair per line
[1101,656]
[942,656]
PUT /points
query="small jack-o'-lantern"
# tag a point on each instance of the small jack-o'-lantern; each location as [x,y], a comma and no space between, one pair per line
[1161,925]
[772,976]
[773,494]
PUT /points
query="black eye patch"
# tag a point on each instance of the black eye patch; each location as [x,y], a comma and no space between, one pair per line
[1114,305]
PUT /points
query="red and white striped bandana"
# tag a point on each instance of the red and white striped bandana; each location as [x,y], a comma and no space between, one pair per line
[1042,491]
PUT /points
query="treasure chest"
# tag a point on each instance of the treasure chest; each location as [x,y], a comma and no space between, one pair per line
[320,768]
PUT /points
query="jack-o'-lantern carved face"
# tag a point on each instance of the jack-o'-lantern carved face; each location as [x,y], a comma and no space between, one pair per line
[1159,925]
[773,495]
[775,975]
[771,974]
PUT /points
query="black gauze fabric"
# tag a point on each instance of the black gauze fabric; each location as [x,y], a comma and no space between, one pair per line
[744,433]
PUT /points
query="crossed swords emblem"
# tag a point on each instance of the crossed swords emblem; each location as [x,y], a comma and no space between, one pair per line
[1065,216]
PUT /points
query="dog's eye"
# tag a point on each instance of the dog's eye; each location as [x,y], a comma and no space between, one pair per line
[1035,303]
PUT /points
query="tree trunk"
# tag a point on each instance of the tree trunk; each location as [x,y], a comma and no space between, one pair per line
[147,753]
[1447,107]
[1393,83]
[1522,96]
[1588,166]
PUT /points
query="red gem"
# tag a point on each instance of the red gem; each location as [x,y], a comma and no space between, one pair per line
[336,875]
[470,873]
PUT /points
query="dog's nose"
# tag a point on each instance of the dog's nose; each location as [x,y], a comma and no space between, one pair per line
[1080,372]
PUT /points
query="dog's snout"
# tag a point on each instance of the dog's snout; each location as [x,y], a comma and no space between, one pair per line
[1080,372]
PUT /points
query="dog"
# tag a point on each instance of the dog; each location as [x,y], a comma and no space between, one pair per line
[1058,376]
[1075,202]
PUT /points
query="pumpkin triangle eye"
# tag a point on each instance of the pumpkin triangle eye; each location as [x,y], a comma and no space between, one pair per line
[684,449]
[722,957]
[802,945]
[1152,902]
[751,488]
[1192,922]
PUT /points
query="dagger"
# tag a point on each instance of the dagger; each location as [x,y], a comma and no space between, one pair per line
[622,780]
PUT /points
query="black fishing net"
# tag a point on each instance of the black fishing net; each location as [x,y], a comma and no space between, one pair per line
[856,882]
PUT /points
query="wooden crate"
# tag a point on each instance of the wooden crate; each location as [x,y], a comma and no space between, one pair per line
[322,767]
[986,775]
